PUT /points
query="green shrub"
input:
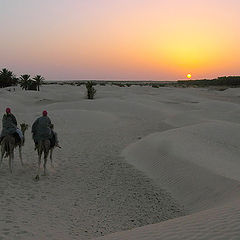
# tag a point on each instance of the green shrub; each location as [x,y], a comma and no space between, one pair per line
[91,91]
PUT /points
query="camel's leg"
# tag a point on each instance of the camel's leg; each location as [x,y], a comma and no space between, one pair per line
[20,154]
[1,160]
[46,152]
[2,154]
[11,156]
[51,153]
[10,163]
[39,162]
[44,166]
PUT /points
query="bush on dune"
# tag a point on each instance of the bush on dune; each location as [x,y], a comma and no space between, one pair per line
[91,91]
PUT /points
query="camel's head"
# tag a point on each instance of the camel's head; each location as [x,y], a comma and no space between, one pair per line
[24,127]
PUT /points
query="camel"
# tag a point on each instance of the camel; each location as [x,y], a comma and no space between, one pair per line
[9,143]
[43,146]
[46,146]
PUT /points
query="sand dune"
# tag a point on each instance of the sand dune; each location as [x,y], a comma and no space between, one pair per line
[166,158]
[198,163]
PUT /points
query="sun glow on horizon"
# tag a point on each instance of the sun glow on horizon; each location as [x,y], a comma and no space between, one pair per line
[189,76]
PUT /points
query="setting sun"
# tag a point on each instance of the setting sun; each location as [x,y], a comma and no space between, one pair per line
[189,76]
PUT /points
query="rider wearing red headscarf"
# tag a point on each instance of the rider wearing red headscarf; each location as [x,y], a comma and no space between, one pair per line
[9,124]
[41,128]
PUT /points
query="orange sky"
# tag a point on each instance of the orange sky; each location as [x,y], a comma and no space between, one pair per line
[105,39]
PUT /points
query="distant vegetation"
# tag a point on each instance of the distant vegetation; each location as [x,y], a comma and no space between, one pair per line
[221,82]
[39,81]
[230,81]
[91,91]
[8,79]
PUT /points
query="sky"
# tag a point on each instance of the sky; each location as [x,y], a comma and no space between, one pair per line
[120,39]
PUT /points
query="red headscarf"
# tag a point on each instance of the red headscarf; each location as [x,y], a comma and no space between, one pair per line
[44,113]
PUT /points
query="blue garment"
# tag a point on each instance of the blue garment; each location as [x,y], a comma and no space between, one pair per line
[41,129]
[19,132]
[9,124]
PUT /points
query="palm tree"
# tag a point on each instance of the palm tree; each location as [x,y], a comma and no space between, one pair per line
[7,78]
[39,80]
[24,81]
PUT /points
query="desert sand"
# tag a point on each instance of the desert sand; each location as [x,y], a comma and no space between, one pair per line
[160,163]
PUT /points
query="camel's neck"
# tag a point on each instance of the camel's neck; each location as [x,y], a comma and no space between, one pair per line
[23,131]
[24,127]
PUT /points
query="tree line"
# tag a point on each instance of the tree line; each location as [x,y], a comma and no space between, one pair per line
[8,79]
[231,81]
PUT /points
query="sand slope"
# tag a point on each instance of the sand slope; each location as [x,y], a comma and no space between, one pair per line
[198,163]
[132,157]
[217,224]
